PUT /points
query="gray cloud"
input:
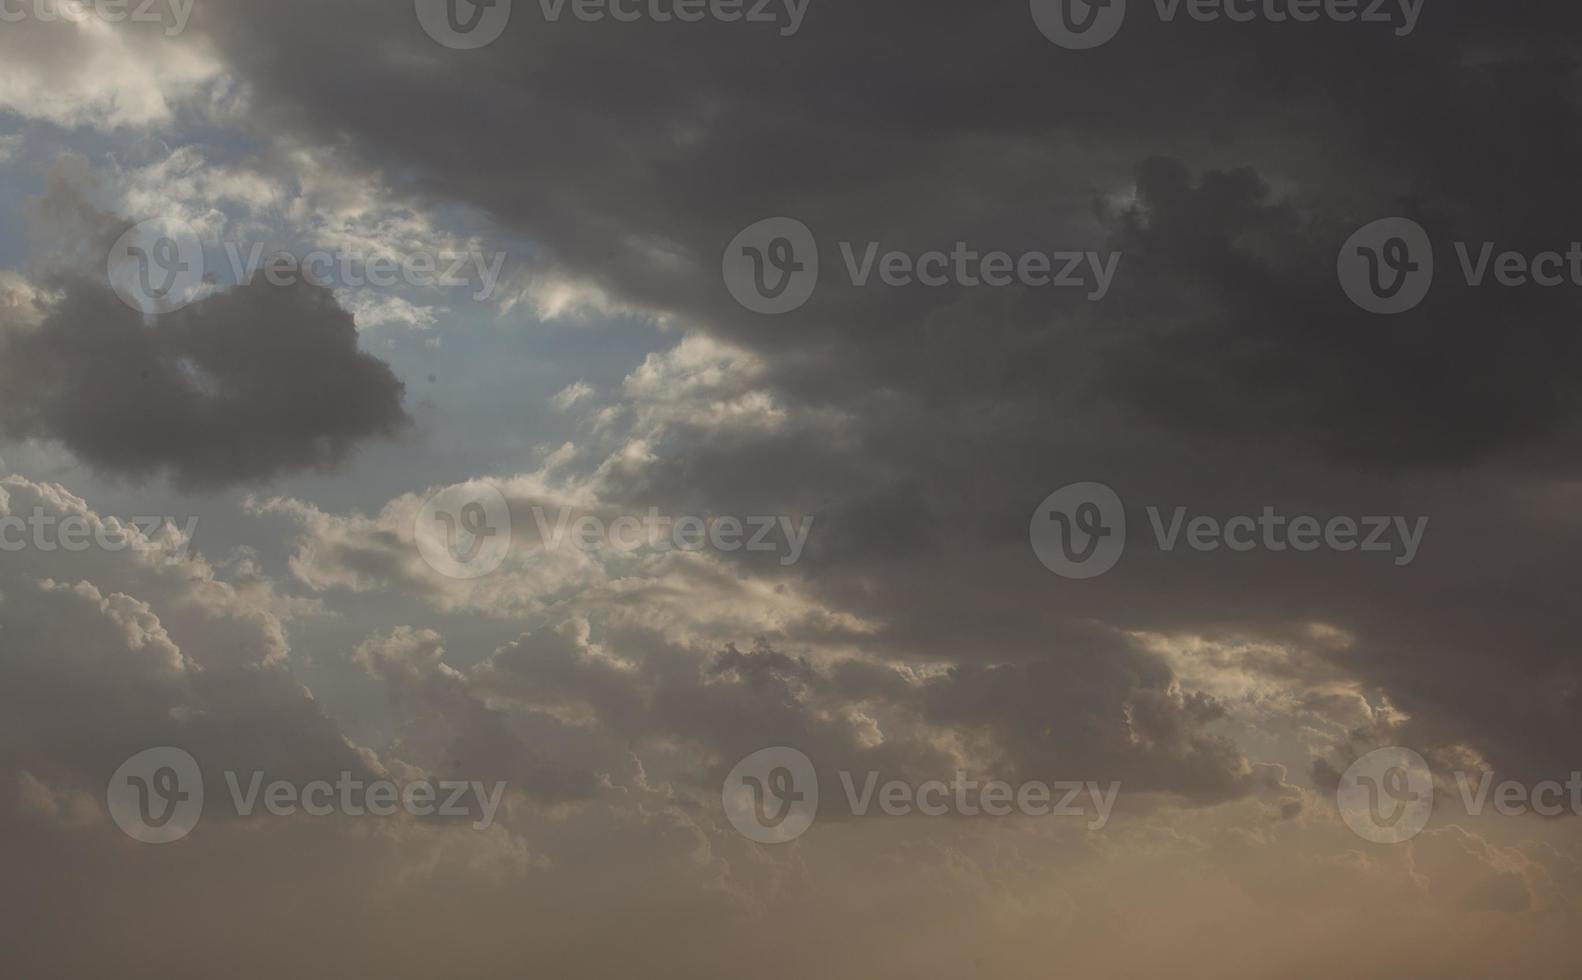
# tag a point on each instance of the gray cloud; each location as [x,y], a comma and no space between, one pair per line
[1226,370]
[242,386]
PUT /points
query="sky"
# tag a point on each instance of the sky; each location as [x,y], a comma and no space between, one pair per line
[865,490]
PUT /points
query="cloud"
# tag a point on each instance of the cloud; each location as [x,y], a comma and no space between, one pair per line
[571,395]
[1228,321]
[1224,373]
[243,385]
[95,73]
[154,645]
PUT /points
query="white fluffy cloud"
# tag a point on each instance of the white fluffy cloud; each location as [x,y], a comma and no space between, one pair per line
[99,74]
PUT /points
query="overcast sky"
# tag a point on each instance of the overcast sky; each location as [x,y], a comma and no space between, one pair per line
[1174,400]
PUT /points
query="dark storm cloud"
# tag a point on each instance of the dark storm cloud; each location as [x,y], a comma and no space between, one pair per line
[106,653]
[634,152]
[242,386]
[1043,718]
[1228,162]
[1270,346]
